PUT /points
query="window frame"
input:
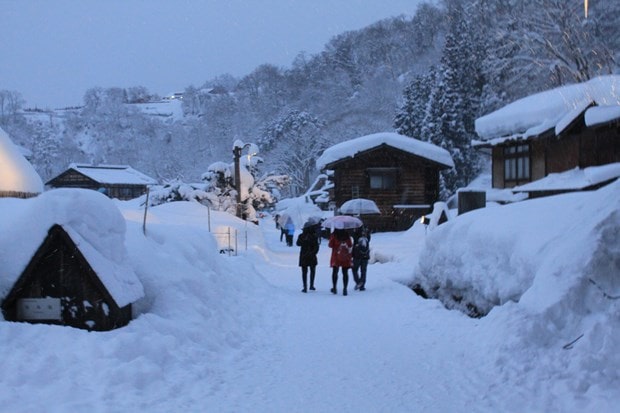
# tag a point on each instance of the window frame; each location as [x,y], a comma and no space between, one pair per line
[387,178]
[517,163]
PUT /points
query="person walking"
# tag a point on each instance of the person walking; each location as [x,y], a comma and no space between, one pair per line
[309,244]
[361,255]
[340,242]
[290,233]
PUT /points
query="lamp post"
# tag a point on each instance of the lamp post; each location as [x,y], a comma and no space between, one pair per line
[239,146]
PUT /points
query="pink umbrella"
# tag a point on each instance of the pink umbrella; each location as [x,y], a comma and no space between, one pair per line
[342,222]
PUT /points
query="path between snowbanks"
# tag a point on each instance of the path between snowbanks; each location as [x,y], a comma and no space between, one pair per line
[382,350]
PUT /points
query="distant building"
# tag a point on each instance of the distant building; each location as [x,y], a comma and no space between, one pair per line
[400,174]
[553,132]
[116,181]
[173,96]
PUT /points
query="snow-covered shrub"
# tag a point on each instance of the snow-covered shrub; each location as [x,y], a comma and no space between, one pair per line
[178,191]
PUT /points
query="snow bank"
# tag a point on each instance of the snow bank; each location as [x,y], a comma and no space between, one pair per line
[547,272]
[491,256]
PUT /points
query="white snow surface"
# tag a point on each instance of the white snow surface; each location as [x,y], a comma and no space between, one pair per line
[573,179]
[235,334]
[554,108]
[168,110]
[16,173]
[350,148]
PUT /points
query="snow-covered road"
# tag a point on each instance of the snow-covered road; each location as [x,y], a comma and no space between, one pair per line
[381,350]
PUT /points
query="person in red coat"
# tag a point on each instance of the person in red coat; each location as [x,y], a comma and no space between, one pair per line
[341,244]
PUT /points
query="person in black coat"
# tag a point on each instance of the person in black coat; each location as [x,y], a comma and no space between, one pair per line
[309,244]
[361,255]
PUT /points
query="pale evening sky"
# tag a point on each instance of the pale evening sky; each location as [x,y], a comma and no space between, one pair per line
[53,51]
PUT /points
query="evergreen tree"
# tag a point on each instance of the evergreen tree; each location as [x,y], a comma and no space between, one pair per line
[409,121]
[453,104]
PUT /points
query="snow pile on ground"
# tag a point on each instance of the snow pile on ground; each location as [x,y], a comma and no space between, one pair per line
[548,273]
[490,256]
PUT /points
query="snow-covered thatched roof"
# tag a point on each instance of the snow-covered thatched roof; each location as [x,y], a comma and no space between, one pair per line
[553,110]
[350,148]
[17,175]
[93,222]
[113,174]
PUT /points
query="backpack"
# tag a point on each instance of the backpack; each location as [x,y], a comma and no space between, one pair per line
[362,250]
[343,252]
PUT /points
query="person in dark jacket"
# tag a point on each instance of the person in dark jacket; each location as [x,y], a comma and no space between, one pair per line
[340,242]
[361,255]
[309,244]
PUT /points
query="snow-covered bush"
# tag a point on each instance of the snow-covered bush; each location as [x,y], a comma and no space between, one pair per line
[178,191]
[256,194]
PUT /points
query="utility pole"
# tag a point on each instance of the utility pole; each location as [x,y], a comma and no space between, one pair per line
[239,146]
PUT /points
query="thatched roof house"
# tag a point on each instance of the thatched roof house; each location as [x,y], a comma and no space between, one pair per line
[17,176]
[64,251]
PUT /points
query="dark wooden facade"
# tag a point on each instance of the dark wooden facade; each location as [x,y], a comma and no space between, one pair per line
[72,178]
[413,185]
[59,271]
[17,194]
[577,146]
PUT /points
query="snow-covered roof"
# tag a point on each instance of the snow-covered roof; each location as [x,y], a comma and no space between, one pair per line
[350,148]
[574,179]
[553,110]
[113,174]
[16,173]
[92,221]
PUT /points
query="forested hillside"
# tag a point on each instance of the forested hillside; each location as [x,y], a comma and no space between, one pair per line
[428,76]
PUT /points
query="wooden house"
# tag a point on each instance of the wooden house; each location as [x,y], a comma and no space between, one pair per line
[575,126]
[400,174]
[72,274]
[116,181]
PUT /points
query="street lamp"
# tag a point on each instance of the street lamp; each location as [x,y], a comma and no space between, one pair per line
[238,147]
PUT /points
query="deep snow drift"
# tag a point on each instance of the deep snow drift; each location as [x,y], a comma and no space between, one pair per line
[218,332]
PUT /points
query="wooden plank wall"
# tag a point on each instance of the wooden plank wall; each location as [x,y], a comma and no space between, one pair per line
[417,183]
